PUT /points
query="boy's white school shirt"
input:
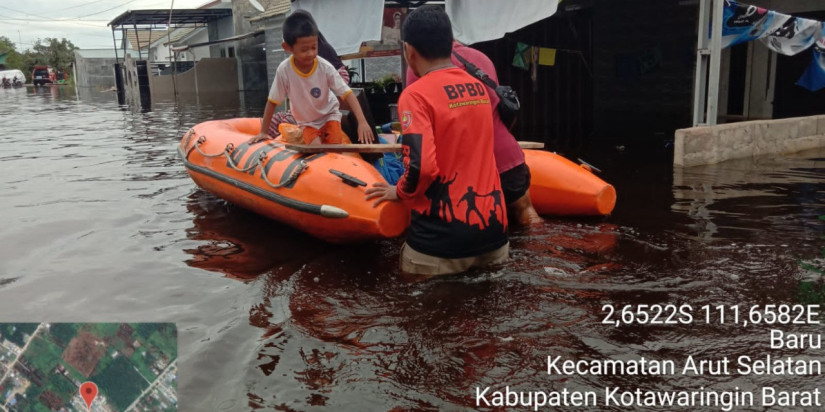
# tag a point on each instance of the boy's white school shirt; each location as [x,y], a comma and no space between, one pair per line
[311,95]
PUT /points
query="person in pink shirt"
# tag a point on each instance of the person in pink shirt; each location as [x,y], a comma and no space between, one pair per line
[513,172]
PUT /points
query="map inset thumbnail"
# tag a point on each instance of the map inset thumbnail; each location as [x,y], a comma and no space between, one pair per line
[43,365]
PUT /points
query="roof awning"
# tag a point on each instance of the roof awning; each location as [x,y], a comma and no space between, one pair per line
[473,20]
[160,17]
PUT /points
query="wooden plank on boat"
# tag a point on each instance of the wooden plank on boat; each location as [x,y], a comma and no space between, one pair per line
[372,148]
[531,145]
[355,147]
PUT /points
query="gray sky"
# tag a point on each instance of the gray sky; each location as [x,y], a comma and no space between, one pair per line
[81,21]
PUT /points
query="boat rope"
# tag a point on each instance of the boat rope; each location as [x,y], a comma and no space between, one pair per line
[303,165]
[188,137]
[231,147]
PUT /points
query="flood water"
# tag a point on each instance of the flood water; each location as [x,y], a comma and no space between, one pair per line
[103,224]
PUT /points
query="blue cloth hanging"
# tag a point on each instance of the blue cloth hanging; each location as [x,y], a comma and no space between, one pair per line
[814,77]
[391,165]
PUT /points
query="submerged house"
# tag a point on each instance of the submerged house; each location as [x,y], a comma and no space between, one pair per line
[167,68]
[613,72]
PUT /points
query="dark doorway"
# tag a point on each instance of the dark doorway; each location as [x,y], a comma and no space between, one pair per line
[736,79]
[556,107]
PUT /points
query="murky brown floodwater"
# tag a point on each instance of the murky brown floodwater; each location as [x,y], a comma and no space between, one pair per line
[102,224]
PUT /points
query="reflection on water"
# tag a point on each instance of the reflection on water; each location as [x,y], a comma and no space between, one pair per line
[104,224]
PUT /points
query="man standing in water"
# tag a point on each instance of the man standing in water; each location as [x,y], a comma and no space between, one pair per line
[513,171]
[447,135]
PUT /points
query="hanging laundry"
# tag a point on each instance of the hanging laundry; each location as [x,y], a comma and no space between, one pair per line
[547,57]
[814,77]
[742,23]
[790,35]
[523,55]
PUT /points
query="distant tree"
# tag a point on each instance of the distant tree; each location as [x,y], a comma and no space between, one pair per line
[14,60]
[51,51]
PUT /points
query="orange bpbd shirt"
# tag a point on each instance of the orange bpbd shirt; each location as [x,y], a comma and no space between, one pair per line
[450,182]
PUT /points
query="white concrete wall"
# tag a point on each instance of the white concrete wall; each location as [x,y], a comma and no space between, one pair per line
[714,144]
[197,53]
[209,76]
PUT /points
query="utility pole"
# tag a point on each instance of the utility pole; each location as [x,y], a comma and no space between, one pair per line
[19,40]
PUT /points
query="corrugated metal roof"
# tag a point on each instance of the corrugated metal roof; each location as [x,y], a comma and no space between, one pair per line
[161,17]
[146,38]
[275,8]
[180,33]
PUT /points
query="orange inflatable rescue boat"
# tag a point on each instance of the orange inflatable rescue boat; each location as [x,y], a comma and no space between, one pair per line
[322,194]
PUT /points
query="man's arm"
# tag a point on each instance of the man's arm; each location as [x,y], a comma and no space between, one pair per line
[364,132]
[266,122]
[418,147]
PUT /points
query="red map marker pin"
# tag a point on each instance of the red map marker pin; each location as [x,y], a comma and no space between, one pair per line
[88,390]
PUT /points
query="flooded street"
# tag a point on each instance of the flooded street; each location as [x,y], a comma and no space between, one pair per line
[103,224]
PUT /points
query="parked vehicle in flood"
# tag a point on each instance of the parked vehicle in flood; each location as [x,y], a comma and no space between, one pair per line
[42,74]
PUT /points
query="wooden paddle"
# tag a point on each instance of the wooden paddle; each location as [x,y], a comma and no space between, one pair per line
[372,148]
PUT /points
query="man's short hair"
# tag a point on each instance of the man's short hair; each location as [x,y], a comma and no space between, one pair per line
[299,24]
[428,29]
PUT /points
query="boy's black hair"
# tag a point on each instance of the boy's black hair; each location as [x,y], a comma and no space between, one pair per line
[299,24]
[428,29]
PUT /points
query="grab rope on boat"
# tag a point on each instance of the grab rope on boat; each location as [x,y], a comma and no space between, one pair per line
[302,165]
[231,148]
[197,146]
[227,151]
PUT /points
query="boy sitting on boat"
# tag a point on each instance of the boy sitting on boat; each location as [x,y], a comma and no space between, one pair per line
[311,84]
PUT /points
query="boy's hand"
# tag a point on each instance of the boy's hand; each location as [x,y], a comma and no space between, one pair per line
[258,138]
[382,191]
[364,133]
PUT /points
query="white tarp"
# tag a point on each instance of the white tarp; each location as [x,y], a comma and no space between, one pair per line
[481,20]
[347,23]
[12,74]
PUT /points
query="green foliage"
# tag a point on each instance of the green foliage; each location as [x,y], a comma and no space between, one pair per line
[353,74]
[105,330]
[58,53]
[144,330]
[62,333]
[143,363]
[813,291]
[43,355]
[166,340]
[49,51]
[33,392]
[73,373]
[120,383]
[40,407]
[60,385]
[14,331]
[14,60]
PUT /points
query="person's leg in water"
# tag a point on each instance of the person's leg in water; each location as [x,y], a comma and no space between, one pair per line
[522,212]
[515,183]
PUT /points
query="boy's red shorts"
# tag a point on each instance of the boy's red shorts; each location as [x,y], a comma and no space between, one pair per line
[330,133]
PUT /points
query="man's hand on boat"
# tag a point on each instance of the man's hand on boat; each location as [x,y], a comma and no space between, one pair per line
[259,138]
[383,191]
